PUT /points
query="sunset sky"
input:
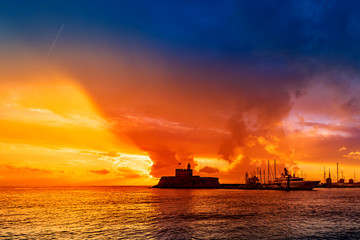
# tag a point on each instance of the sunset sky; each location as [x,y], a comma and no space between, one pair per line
[121,92]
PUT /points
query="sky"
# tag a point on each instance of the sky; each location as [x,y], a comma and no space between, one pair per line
[124,92]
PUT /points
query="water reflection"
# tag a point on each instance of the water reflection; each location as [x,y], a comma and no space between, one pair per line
[140,212]
[174,209]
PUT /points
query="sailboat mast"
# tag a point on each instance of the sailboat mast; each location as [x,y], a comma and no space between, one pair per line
[275,168]
[260,175]
[264,176]
[268,171]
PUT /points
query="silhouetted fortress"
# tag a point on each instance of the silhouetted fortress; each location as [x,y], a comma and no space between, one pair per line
[184,179]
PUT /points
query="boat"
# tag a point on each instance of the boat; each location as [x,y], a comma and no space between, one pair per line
[184,179]
[339,183]
[291,182]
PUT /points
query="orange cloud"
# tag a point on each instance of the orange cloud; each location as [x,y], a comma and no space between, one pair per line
[342,149]
[353,155]
[101,172]
[20,169]
[126,172]
[208,169]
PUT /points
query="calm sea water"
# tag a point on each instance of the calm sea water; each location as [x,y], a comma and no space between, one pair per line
[146,213]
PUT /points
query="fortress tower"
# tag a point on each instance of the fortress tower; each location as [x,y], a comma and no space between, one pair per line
[184,172]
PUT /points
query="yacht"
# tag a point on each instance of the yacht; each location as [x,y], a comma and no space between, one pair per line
[291,182]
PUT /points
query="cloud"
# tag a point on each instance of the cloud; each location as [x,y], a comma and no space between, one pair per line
[352,105]
[127,172]
[27,169]
[256,127]
[342,149]
[100,172]
[353,155]
[208,169]
[166,160]
[112,154]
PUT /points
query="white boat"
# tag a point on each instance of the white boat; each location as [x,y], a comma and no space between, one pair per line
[290,182]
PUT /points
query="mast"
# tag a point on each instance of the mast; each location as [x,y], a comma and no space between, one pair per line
[337,172]
[264,176]
[275,168]
[268,171]
[324,175]
[260,175]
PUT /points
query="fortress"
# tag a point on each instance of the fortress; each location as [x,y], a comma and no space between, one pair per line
[184,179]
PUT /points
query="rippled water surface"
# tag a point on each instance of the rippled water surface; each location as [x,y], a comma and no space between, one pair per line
[146,213]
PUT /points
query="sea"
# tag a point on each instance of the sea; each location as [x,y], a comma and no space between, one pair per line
[148,213]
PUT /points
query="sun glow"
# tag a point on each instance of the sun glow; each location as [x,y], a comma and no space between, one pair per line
[53,133]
